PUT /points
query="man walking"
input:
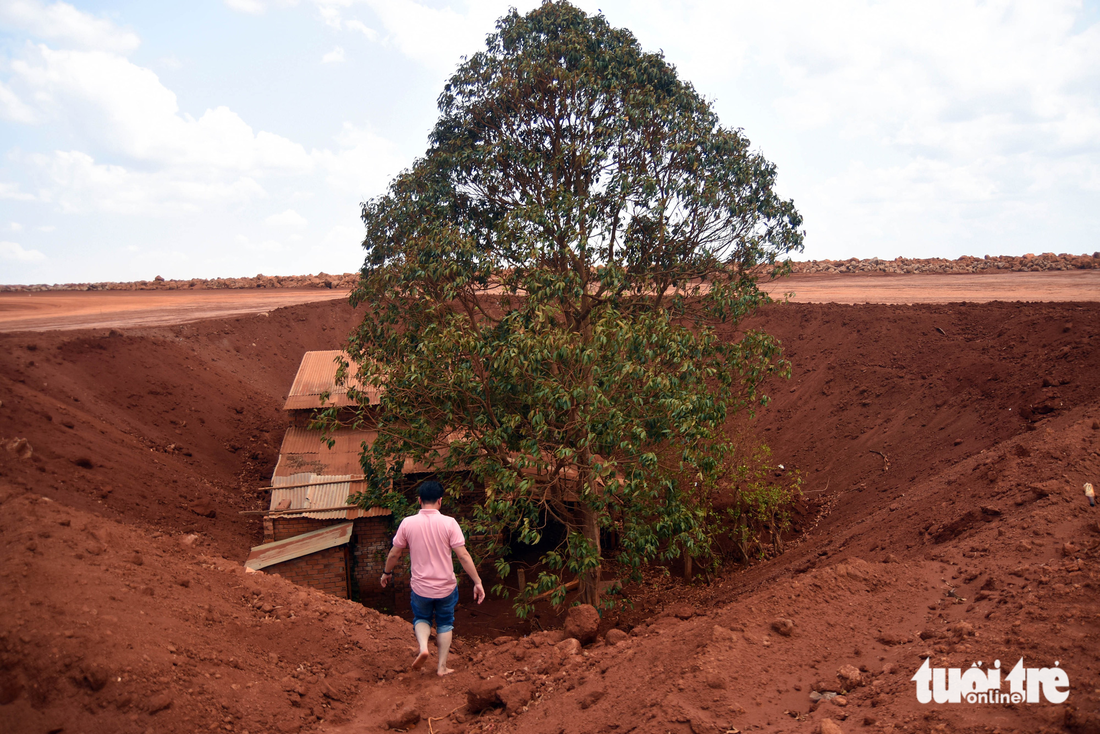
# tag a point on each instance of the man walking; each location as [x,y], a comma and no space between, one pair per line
[430,536]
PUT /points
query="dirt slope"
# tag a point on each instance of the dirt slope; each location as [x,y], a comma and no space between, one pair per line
[965,537]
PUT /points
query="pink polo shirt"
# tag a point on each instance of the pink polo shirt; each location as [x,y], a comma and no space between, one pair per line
[430,536]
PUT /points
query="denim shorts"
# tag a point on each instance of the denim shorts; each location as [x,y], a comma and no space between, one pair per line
[443,610]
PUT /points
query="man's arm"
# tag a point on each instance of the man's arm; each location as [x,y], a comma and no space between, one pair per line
[471,570]
[391,563]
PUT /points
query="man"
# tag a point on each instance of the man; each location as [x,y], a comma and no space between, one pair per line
[430,536]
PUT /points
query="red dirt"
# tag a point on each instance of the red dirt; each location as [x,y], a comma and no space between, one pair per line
[966,537]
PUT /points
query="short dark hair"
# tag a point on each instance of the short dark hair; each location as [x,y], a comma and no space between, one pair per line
[430,491]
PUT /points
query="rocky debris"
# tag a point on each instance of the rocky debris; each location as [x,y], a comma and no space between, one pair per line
[406,717]
[160,702]
[20,448]
[715,681]
[516,696]
[204,509]
[93,676]
[590,699]
[964,264]
[583,623]
[1081,722]
[784,627]
[484,694]
[547,637]
[680,611]
[890,639]
[571,646]
[344,281]
[615,636]
[828,726]
[850,677]
[719,633]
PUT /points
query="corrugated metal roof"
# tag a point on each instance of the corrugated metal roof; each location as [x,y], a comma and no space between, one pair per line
[302,451]
[317,374]
[281,551]
[325,498]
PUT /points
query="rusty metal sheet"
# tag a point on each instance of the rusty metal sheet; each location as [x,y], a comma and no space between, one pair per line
[316,375]
[325,498]
[281,551]
[303,452]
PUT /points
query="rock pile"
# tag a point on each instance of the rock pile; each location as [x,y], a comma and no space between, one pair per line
[965,264]
[346,281]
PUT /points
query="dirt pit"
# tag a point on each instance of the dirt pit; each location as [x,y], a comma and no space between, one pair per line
[944,447]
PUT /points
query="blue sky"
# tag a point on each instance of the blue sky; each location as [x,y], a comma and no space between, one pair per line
[209,138]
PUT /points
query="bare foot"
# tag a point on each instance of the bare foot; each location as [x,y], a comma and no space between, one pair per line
[445,671]
[419,662]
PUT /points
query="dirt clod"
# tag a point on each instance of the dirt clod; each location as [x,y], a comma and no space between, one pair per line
[615,636]
[583,623]
[405,717]
[516,696]
[850,677]
[784,627]
[483,695]
[160,702]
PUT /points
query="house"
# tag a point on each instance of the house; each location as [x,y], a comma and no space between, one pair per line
[312,536]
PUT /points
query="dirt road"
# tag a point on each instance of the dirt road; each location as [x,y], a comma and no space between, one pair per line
[54,310]
[1047,287]
[49,311]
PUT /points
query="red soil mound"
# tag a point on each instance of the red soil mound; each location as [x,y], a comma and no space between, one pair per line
[945,448]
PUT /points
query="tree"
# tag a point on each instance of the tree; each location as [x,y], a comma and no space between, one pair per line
[542,290]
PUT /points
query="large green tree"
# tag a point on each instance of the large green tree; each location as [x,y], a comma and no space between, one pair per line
[542,290]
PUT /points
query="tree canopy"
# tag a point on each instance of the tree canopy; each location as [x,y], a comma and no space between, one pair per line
[542,289]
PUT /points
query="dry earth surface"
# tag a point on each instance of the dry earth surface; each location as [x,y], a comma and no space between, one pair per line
[944,446]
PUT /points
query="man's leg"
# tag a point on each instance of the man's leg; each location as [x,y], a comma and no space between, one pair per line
[422,626]
[443,642]
[423,630]
[444,621]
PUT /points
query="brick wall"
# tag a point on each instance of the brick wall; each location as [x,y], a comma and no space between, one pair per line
[371,540]
[326,570]
[288,527]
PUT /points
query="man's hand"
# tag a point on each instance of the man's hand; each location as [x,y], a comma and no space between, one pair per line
[385,579]
[479,592]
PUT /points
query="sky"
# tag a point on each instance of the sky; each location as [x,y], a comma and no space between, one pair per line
[235,137]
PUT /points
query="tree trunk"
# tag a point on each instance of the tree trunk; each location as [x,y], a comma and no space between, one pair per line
[590,580]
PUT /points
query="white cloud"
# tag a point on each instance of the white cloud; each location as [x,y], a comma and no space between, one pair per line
[46,228]
[252,7]
[125,108]
[357,25]
[15,251]
[363,163]
[335,56]
[15,226]
[289,218]
[12,192]
[76,183]
[438,37]
[264,247]
[66,25]
[12,108]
